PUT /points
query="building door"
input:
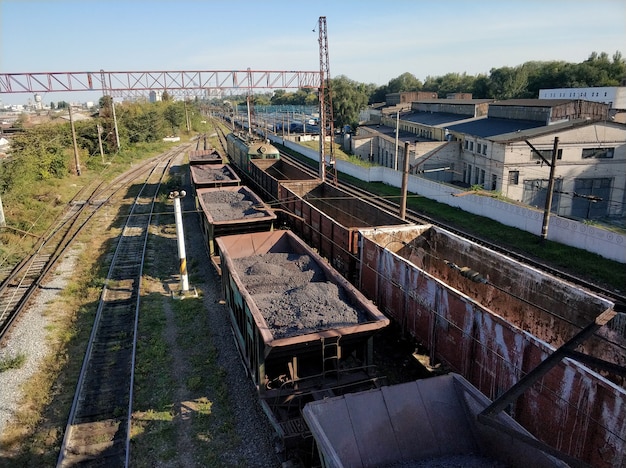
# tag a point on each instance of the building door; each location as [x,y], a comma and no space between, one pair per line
[591,198]
[536,192]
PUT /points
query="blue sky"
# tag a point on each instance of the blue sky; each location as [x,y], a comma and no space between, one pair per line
[368,41]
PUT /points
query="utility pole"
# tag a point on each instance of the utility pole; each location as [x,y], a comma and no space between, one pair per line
[100,142]
[395,164]
[117,135]
[76,159]
[405,180]
[546,213]
[548,205]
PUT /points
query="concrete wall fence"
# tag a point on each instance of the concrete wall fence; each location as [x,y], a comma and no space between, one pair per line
[565,231]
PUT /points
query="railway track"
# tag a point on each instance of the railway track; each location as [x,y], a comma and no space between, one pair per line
[20,281]
[98,429]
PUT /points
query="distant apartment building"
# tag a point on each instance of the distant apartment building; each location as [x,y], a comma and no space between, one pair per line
[613,96]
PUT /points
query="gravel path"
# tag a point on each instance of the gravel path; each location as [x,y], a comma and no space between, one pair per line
[255,432]
[28,338]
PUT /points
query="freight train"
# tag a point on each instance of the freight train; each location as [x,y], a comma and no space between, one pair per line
[480,314]
[242,150]
[303,331]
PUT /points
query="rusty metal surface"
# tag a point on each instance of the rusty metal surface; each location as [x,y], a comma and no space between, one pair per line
[269,173]
[331,219]
[413,422]
[477,334]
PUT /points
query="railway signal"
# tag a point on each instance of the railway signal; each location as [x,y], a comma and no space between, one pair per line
[176,195]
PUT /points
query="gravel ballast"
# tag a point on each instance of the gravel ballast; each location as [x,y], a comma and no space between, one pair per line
[28,339]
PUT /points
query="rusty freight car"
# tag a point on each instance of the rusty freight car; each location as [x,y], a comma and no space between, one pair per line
[329,219]
[268,174]
[429,422]
[231,210]
[304,332]
[494,321]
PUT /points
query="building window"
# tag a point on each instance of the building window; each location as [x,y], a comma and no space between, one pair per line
[513,177]
[479,148]
[485,149]
[471,146]
[494,181]
[598,153]
[547,154]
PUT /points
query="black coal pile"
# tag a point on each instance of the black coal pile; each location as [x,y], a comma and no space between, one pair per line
[228,205]
[213,173]
[294,296]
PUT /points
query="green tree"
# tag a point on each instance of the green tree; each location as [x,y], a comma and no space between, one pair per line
[349,98]
[508,82]
[174,116]
[404,82]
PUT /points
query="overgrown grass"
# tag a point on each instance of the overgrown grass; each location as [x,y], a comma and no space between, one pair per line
[34,437]
[171,331]
[12,362]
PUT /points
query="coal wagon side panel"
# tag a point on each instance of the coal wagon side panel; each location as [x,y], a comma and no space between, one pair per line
[247,210]
[247,335]
[336,216]
[267,185]
[564,409]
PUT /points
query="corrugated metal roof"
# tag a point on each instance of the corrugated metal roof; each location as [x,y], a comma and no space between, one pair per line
[434,118]
[454,101]
[541,130]
[533,102]
[489,127]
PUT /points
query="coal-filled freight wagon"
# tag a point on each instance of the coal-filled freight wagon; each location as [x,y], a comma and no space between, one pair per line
[304,332]
[213,175]
[208,156]
[231,210]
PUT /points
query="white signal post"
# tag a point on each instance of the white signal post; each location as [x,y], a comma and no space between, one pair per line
[180,236]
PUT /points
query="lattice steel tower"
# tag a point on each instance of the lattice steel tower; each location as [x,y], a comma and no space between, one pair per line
[326,123]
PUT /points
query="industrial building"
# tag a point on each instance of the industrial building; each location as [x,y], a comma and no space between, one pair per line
[506,147]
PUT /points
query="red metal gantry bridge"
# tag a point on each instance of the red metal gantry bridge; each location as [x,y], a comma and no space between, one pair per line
[138,82]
